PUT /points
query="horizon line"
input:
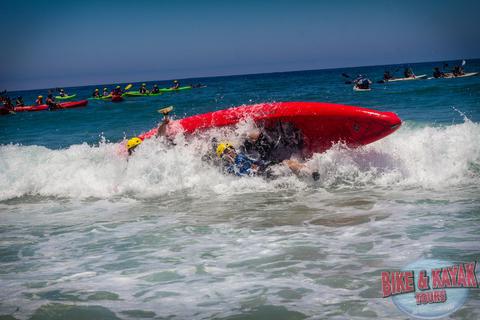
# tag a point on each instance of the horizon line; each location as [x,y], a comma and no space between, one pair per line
[240,74]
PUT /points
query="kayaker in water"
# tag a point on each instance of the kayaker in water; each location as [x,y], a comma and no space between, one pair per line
[96,93]
[387,75]
[458,71]
[362,82]
[237,163]
[39,100]
[62,93]
[176,84]
[105,92]
[7,103]
[132,144]
[50,102]
[19,102]
[240,164]
[437,73]
[408,73]
[155,89]
[143,89]
[117,91]
[258,145]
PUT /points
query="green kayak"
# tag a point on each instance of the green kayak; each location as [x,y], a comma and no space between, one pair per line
[138,94]
[65,97]
[171,89]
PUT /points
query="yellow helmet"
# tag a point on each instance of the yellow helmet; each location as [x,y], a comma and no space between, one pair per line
[117,87]
[105,89]
[96,90]
[144,84]
[40,97]
[175,81]
[132,143]
[222,147]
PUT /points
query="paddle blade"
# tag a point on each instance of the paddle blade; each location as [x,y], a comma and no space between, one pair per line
[128,87]
[464,62]
[165,110]
[345,75]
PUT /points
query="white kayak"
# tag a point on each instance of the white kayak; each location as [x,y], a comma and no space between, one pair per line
[359,89]
[422,76]
[450,75]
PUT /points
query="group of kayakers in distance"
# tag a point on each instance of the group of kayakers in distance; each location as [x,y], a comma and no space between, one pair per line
[49,102]
[117,91]
[39,101]
[456,72]
[362,83]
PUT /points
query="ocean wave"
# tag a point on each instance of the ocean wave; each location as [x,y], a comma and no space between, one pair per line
[427,157]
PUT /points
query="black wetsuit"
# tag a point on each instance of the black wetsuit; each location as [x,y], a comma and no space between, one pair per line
[261,149]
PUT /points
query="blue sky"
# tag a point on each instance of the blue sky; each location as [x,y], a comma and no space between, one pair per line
[62,43]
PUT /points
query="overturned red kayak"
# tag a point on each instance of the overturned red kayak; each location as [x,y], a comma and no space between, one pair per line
[63,105]
[321,124]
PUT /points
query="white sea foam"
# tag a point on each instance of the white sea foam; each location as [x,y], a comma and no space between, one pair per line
[429,157]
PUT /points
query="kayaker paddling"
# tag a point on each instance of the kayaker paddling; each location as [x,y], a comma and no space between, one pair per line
[155,89]
[39,101]
[408,73]
[176,84]
[50,102]
[19,102]
[143,89]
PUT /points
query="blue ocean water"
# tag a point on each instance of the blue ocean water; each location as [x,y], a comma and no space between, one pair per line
[86,234]
[429,101]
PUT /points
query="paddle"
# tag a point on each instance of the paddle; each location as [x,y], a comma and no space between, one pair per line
[165,111]
[348,77]
[128,87]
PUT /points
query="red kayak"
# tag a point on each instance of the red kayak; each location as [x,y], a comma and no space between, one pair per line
[117,98]
[321,124]
[63,105]
[4,111]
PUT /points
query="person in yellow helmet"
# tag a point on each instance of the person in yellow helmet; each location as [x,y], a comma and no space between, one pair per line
[39,101]
[96,93]
[117,91]
[132,144]
[238,163]
[143,89]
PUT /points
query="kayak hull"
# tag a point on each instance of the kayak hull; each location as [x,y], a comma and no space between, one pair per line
[117,99]
[321,124]
[172,90]
[138,94]
[43,107]
[419,77]
[5,111]
[359,89]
